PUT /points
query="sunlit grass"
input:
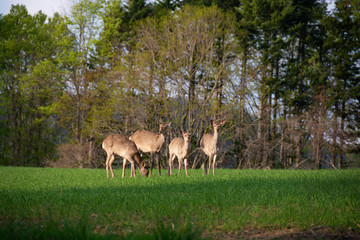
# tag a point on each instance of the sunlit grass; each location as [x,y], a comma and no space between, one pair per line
[232,200]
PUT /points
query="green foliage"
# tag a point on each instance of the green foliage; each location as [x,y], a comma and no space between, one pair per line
[111,42]
[84,201]
[136,10]
[31,84]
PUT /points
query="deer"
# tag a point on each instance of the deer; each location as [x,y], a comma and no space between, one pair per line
[179,148]
[151,142]
[208,144]
[125,148]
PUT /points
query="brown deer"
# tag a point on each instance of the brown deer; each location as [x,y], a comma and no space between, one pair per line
[122,146]
[179,148]
[208,144]
[151,142]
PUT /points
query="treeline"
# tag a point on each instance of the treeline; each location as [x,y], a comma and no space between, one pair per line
[283,74]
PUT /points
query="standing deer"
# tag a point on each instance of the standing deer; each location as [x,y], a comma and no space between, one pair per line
[208,144]
[179,148]
[151,142]
[122,146]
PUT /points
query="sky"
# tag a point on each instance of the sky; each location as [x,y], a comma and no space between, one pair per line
[49,7]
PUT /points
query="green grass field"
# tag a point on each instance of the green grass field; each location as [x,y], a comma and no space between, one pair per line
[232,203]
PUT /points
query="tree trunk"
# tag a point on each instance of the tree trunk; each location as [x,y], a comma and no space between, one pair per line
[342,132]
[335,127]
[298,142]
[262,135]
[241,125]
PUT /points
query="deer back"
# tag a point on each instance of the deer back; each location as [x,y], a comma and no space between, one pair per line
[119,145]
[148,141]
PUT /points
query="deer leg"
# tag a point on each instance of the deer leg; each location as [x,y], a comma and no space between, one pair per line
[169,166]
[124,165]
[185,164]
[171,159]
[180,163]
[158,162]
[132,168]
[204,167]
[133,173]
[107,164]
[214,164]
[210,158]
[112,158]
[132,165]
[152,163]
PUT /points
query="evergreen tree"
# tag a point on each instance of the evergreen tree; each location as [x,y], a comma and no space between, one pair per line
[343,45]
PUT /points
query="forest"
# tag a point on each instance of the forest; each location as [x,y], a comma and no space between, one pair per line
[284,75]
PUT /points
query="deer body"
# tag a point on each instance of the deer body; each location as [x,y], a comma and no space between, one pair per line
[179,148]
[151,142]
[125,148]
[209,144]
[148,141]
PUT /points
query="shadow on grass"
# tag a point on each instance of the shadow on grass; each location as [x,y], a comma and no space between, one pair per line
[81,231]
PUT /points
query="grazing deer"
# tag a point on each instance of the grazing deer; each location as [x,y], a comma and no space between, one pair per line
[208,144]
[179,148]
[122,146]
[151,142]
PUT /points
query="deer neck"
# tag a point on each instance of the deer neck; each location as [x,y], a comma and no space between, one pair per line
[216,135]
[160,140]
[188,148]
[186,144]
[137,159]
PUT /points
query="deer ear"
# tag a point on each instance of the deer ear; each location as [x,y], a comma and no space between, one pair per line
[212,122]
[223,122]
[170,124]
[181,133]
